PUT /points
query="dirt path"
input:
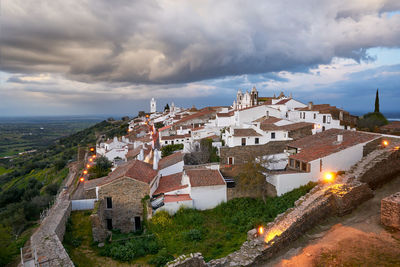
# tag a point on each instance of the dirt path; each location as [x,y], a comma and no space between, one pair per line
[357,239]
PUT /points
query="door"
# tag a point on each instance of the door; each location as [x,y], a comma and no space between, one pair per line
[109,224]
[138,223]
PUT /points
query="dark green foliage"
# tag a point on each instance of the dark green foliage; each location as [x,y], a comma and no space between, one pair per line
[371,121]
[162,258]
[52,189]
[101,169]
[169,149]
[60,164]
[376,102]
[192,235]
[166,107]
[125,118]
[128,250]
[205,154]
[158,125]
[7,247]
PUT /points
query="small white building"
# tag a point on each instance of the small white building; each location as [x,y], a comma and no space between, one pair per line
[171,164]
[310,157]
[153,106]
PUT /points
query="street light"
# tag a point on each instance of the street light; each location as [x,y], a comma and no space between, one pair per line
[385,143]
[329,177]
[82,179]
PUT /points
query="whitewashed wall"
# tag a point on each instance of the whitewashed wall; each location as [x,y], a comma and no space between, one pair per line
[177,167]
[173,207]
[208,197]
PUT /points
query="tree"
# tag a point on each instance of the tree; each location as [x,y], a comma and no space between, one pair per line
[376,102]
[166,107]
[158,125]
[202,153]
[251,179]
[102,168]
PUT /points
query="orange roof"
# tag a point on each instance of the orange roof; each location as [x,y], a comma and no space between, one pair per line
[325,143]
[134,169]
[203,112]
[170,183]
[177,198]
[229,114]
[245,132]
[170,160]
[173,137]
[164,128]
[205,177]
[283,101]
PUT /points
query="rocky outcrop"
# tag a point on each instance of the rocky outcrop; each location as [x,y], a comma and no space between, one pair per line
[191,260]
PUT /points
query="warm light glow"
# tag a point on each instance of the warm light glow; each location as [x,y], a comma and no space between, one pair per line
[329,177]
[385,143]
[90,160]
[94,156]
[92,149]
[396,147]
[260,230]
[82,179]
[85,172]
[272,234]
[87,166]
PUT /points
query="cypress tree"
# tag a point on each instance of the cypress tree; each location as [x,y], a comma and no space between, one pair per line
[376,102]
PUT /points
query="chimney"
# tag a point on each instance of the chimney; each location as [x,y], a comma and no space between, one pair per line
[340,138]
[155,160]
[310,105]
[141,155]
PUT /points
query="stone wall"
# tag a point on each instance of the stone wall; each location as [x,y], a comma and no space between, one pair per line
[242,154]
[322,201]
[46,241]
[126,195]
[302,132]
[371,146]
[390,211]
[192,260]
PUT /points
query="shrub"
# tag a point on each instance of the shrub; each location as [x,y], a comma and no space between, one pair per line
[162,258]
[192,235]
[169,149]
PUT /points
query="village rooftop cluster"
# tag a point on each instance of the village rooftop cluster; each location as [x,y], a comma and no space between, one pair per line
[295,142]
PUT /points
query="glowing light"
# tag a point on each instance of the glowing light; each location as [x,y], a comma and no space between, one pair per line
[85,172]
[329,177]
[92,149]
[397,148]
[90,160]
[82,179]
[94,156]
[272,234]
[260,230]
[385,143]
[87,166]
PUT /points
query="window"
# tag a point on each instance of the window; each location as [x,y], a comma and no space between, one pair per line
[256,140]
[291,162]
[109,224]
[108,202]
[329,119]
[243,141]
[230,160]
[172,142]
[297,164]
[166,142]
[272,135]
[287,115]
[324,119]
[323,128]
[320,165]
[303,166]
[315,116]
[138,223]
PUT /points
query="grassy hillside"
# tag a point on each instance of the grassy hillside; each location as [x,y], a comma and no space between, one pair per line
[29,182]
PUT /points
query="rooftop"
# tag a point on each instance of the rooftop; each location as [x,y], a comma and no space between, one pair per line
[170,183]
[245,132]
[325,143]
[170,160]
[177,198]
[205,177]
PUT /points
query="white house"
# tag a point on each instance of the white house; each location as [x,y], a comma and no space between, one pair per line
[197,188]
[310,157]
[171,164]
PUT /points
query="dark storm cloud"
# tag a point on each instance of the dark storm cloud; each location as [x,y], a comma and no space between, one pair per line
[164,42]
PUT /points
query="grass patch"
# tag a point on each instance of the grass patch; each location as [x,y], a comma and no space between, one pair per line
[222,230]
[4,170]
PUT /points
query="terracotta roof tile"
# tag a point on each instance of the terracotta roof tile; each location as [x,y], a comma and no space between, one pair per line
[170,160]
[325,143]
[283,101]
[205,177]
[177,198]
[173,137]
[228,114]
[245,132]
[134,169]
[170,183]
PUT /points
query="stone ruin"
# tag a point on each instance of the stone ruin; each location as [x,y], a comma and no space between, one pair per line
[390,211]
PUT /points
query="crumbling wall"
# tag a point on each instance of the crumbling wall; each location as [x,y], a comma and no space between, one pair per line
[242,154]
[46,241]
[390,211]
[322,201]
[191,260]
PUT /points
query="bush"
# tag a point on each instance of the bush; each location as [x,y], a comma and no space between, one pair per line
[169,149]
[162,258]
[192,235]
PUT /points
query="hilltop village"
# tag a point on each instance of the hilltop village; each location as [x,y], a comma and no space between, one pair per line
[294,142]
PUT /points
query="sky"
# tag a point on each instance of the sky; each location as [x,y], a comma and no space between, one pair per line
[111,57]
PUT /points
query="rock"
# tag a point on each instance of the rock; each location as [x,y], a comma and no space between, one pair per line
[100,245]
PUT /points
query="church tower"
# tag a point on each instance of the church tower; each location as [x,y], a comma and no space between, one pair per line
[153,107]
[254,97]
